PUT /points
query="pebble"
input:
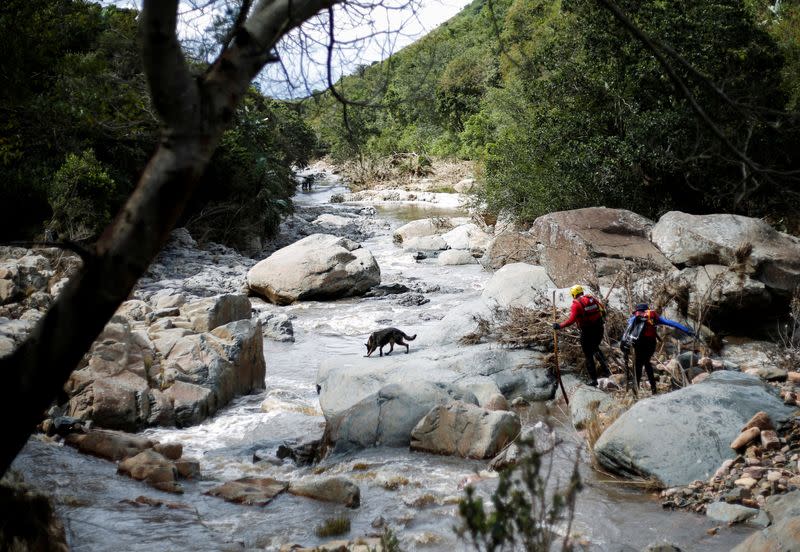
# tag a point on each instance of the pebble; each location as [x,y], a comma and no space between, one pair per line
[746,482]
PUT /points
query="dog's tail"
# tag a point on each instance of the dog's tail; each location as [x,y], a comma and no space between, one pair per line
[409,337]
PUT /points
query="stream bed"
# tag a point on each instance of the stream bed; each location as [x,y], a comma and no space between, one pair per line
[413,493]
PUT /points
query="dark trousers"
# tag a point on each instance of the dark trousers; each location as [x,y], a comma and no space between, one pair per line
[644,349]
[591,336]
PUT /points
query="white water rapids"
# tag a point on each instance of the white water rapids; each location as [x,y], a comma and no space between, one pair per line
[416,494]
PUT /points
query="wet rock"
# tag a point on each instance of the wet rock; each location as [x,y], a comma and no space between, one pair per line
[412,300]
[302,454]
[388,417]
[330,489]
[466,430]
[687,418]
[251,491]
[277,326]
[187,468]
[585,402]
[152,468]
[540,438]
[730,513]
[171,451]
[455,257]
[384,290]
[425,227]
[784,532]
[467,236]
[745,438]
[108,444]
[319,266]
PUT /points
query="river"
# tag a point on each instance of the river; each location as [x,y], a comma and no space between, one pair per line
[415,494]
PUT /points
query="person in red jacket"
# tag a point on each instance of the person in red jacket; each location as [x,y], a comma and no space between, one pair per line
[588,312]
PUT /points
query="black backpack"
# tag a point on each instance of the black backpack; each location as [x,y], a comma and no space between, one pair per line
[633,332]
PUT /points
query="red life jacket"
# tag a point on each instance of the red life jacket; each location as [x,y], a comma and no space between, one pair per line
[651,317]
[590,311]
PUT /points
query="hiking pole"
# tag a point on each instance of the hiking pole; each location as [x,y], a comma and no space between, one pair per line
[555,351]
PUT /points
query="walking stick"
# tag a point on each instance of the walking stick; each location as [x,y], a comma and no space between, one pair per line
[555,351]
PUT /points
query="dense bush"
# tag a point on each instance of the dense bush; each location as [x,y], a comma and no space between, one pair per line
[77,130]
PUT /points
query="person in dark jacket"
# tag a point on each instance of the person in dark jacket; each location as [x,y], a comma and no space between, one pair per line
[645,345]
[588,313]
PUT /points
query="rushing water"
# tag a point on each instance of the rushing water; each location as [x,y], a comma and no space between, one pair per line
[414,493]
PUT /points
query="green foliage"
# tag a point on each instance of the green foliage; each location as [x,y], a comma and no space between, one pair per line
[524,513]
[332,527]
[82,197]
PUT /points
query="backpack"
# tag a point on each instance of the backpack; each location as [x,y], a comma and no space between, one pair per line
[635,330]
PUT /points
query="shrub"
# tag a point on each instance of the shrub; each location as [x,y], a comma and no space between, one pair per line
[332,527]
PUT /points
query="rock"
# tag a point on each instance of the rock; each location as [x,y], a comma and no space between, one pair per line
[108,444]
[730,513]
[585,244]
[517,285]
[464,185]
[191,403]
[385,290]
[171,451]
[333,221]
[134,309]
[689,419]
[252,491]
[784,532]
[152,468]
[496,402]
[304,453]
[466,430]
[388,417]
[467,236]
[746,482]
[745,438]
[761,420]
[331,489]
[540,438]
[207,314]
[425,244]
[455,257]
[769,440]
[662,547]
[700,378]
[188,469]
[319,266]
[277,326]
[768,373]
[692,240]
[511,247]
[585,402]
[793,377]
[425,227]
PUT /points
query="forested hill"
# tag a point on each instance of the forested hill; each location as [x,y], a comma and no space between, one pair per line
[561,107]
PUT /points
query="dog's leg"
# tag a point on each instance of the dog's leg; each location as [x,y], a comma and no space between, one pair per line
[391,348]
[381,350]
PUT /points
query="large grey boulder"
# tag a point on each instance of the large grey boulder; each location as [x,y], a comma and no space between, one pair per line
[585,402]
[462,429]
[319,266]
[353,392]
[586,244]
[387,417]
[467,236]
[517,285]
[692,240]
[685,435]
[328,489]
[455,257]
[207,314]
[426,227]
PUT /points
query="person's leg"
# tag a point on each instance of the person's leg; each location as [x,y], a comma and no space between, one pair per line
[649,347]
[604,371]
[589,348]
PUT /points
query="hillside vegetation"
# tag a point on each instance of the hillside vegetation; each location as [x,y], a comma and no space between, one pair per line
[562,108]
[77,128]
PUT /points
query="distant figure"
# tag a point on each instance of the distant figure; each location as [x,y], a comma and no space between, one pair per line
[387,336]
[641,334]
[307,183]
[588,312]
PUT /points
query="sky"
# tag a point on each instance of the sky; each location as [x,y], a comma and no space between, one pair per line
[363,36]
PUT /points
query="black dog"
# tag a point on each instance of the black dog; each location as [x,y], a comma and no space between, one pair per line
[387,336]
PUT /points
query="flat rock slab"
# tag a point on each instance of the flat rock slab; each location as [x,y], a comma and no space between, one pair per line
[685,435]
[730,513]
[252,491]
[330,489]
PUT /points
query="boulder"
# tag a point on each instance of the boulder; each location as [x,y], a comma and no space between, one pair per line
[387,417]
[511,247]
[426,227]
[692,240]
[319,266]
[152,468]
[455,257]
[467,236]
[540,438]
[209,313]
[108,444]
[425,243]
[465,430]
[583,245]
[730,513]
[250,490]
[697,421]
[329,489]
[517,285]
[585,402]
